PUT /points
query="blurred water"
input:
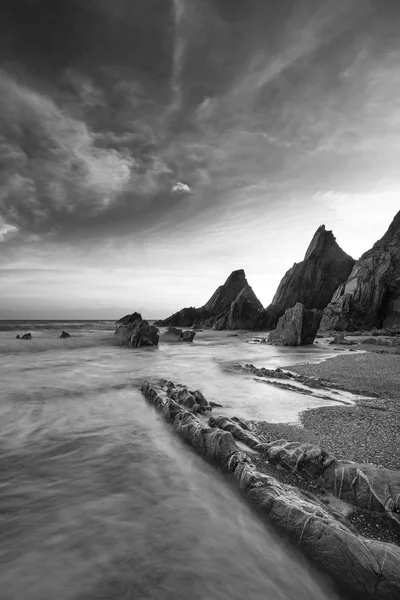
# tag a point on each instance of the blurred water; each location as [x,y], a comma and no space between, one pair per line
[98,500]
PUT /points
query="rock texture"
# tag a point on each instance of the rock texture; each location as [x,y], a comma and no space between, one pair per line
[135,332]
[296,327]
[368,569]
[373,489]
[312,281]
[233,305]
[370,297]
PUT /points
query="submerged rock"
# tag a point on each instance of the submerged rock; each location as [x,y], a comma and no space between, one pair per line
[296,327]
[233,305]
[135,332]
[312,281]
[370,297]
[65,335]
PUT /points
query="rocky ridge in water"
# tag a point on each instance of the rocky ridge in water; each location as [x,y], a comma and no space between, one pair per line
[370,297]
[368,568]
[233,305]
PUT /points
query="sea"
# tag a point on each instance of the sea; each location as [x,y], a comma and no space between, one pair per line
[100,501]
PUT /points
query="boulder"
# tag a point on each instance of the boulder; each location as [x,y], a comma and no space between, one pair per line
[65,335]
[298,326]
[370,297]
[233,305]
[188,336]
[173,334]
[135,332]
[341,340]
[26,336]
[312,281]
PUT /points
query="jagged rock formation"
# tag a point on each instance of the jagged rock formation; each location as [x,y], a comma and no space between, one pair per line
[65,335]
[233,305]
[135,332]
[371,295]
[312,281]
[296,327]
[368,487]
[173,334]
[368,569]
[26,336]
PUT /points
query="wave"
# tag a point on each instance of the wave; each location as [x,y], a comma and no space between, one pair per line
[44,343]
[33,325]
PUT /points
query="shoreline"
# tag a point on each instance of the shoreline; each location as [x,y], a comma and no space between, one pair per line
[365,432]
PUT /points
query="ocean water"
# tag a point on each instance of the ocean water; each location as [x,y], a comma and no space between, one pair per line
[99,500]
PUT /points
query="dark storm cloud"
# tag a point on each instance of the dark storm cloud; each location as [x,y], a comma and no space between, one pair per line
[105,107]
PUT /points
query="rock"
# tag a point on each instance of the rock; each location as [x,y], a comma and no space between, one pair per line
[129,319]
[367,569]
[366,486]
[298,326]
[135,332]
[177,335]
[188,336]
[312,281]
[233,305]
[341,340]
[26,336]
[370,297]
[65,335]
[235,429]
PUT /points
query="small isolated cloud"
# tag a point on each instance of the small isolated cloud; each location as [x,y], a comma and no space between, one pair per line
[7,231]
[181,188]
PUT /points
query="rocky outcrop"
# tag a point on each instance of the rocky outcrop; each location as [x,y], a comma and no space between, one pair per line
[26,336]
[370,297]
[296,327]
[312,281]
[370,488]
[173,334]
[65,335]
[233,305]
[135,332]
[368,569]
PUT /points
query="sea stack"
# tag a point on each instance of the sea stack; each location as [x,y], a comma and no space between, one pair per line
[370,297]
[297,326]
[312,281]
[233,305]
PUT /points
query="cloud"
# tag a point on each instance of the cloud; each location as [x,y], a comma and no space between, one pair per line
[7,231]
[51,164]
[181,188]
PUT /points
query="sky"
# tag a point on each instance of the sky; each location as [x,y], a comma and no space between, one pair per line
[150,147]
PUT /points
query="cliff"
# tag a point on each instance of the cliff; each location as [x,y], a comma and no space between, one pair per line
[312,281]
[233,305]
[370,297]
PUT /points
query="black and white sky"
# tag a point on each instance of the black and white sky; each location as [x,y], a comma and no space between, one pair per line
[150,147]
